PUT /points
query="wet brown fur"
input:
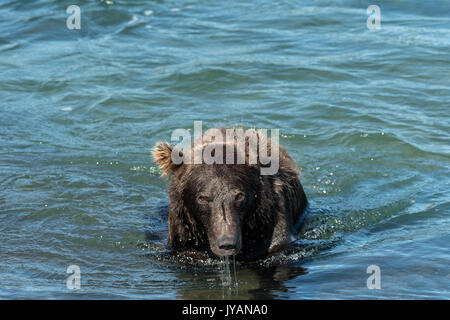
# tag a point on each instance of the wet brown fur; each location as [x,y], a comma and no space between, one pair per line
[270,218]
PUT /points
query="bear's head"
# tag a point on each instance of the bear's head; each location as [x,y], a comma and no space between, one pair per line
[212,206]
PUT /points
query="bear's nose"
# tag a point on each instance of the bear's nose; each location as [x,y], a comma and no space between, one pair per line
[227,245]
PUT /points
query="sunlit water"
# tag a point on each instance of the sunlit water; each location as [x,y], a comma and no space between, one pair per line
[364,114]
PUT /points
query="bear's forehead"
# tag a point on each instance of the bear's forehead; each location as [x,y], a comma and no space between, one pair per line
[219,176]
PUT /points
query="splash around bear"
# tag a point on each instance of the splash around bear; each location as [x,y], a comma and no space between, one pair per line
[228,208]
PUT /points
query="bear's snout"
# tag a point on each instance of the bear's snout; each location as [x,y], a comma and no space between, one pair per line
[228,245]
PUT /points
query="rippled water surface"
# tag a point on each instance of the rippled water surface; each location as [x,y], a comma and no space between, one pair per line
[364,113]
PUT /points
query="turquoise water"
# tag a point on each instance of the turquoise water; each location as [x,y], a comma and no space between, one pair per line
[364,113]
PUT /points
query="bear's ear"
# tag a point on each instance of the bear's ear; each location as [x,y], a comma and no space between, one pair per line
[162,153]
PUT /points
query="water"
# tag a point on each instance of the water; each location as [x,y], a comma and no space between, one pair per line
[365,115]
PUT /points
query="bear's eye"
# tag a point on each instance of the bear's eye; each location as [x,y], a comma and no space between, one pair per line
[239,197]
[203,199]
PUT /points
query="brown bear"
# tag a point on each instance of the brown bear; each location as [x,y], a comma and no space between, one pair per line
[231,209]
